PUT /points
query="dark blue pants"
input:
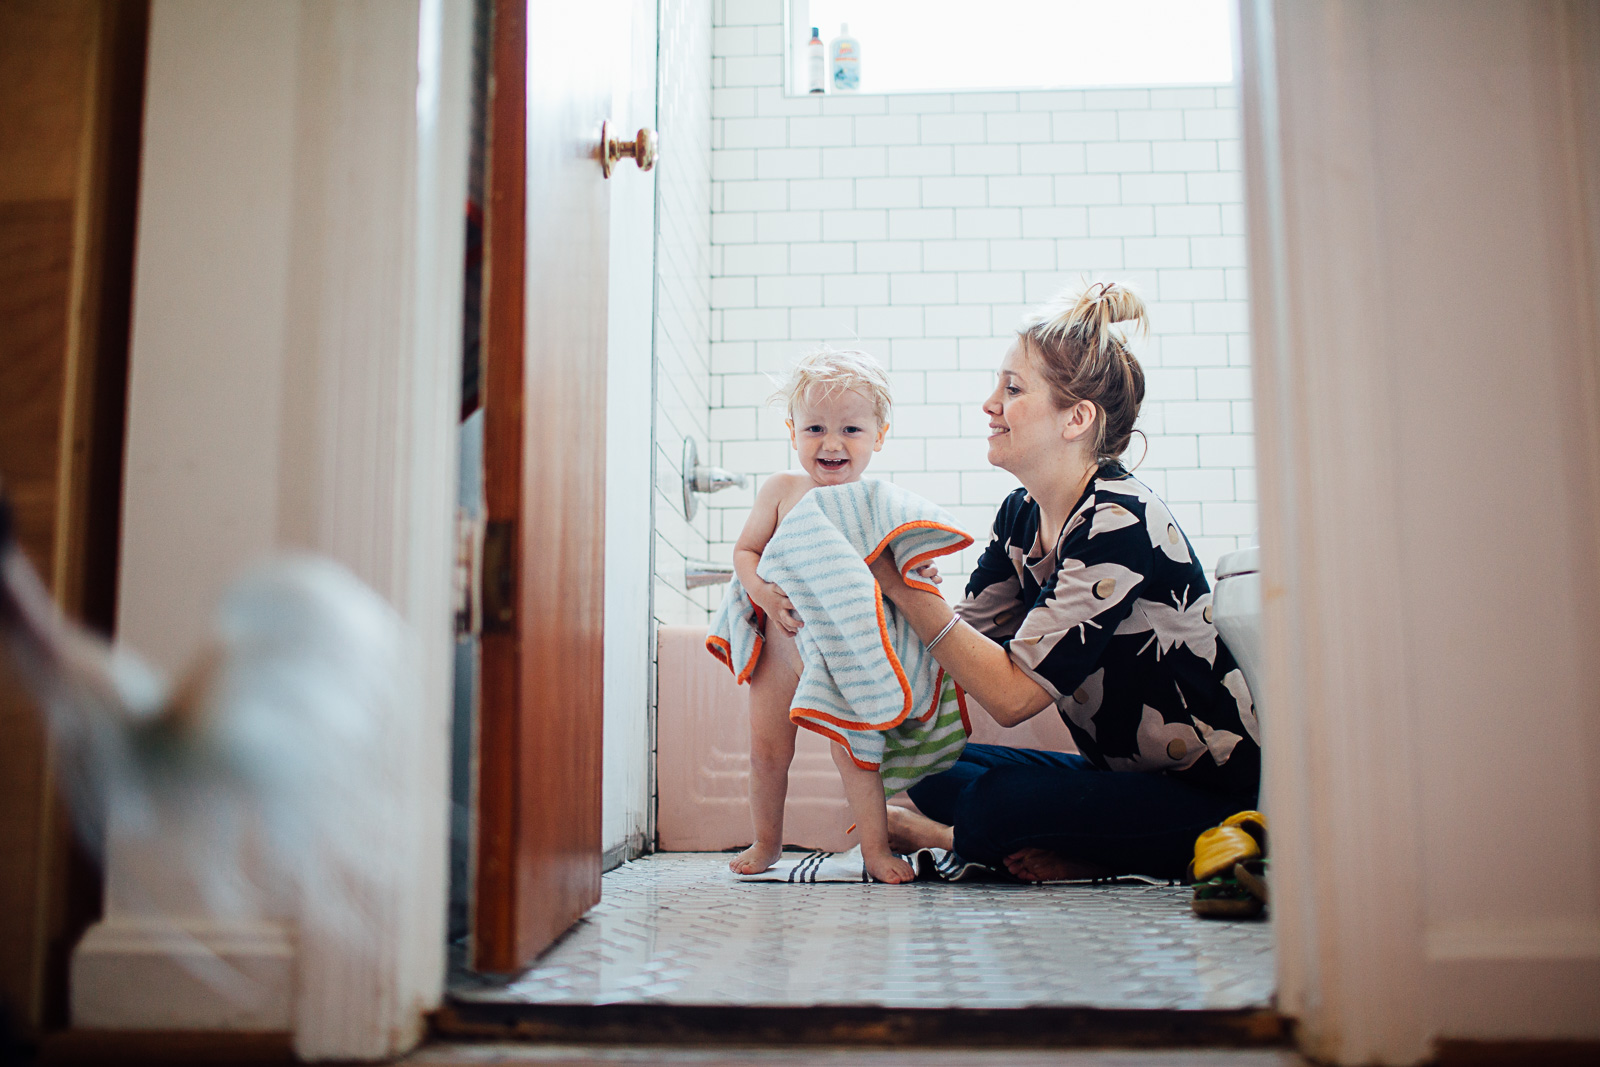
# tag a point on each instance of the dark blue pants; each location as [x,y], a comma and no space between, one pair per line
[1003,799]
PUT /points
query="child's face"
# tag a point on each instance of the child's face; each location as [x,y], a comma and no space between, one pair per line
[836,432]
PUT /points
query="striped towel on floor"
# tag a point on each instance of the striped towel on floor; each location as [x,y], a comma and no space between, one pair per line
[931,865]
[868,682]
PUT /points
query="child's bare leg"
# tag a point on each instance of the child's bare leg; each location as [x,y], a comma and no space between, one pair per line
[771,748]
[863,788]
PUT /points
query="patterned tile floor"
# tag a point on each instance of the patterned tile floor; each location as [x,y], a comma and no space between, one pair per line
[676,928]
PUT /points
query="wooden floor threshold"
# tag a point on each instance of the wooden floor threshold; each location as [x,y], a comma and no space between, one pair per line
[680,1024]
[164,1048]
[1460,1053]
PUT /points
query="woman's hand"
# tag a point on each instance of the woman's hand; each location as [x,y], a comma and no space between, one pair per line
[888,575]
[893,585]
[771,599]
[982,667]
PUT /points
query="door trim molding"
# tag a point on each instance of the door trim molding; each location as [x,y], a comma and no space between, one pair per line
[1560,939]
[1337,760]
[294,377]
[1345,133]
[133,973]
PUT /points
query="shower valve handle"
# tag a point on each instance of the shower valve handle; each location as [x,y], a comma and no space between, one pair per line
[701,479]
[714,479]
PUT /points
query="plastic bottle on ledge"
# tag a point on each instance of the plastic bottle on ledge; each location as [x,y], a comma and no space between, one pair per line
[816,64]
[846,61]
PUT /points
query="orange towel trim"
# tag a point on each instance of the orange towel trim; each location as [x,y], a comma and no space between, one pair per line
[719,647]
[889,653]
[802,715]
[919,560]
[818,728]
[755,654]
[813,718]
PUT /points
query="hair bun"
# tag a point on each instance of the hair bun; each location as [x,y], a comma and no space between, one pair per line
[1088,317]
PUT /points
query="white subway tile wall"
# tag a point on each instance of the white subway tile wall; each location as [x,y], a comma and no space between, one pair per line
[683,297]
[922,227]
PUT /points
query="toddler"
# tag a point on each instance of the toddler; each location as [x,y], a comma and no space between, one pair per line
[838,415]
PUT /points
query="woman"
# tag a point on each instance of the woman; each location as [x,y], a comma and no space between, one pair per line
[1089,598]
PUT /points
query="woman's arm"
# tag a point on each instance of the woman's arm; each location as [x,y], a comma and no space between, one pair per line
[979,665]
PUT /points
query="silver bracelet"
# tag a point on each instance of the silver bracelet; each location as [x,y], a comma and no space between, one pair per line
[951,625]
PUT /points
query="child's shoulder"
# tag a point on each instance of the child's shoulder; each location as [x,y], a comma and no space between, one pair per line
[783,487]
[787,483]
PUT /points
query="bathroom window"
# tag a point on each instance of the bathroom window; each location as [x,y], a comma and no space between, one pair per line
[942,45]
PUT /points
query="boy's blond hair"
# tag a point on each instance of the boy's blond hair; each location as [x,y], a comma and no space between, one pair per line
[833,369]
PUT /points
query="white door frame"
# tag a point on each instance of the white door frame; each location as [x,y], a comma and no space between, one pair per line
[294,383]
[1422,186]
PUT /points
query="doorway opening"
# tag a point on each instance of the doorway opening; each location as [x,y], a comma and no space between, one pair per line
[917,226]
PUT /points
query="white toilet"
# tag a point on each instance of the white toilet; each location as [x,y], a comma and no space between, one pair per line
[1236,608]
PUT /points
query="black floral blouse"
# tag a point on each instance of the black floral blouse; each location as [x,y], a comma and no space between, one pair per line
[1115,623]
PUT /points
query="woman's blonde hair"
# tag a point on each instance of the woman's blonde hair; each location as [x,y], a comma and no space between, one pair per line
[832,370]
[1081,341]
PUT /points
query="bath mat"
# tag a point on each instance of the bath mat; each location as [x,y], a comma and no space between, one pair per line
[932,865]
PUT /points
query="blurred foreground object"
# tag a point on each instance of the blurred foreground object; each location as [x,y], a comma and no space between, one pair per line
[268,760]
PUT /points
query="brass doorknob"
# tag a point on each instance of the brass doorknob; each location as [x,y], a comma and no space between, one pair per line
[642,149]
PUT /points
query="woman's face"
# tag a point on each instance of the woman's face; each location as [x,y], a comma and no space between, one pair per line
[1025,427]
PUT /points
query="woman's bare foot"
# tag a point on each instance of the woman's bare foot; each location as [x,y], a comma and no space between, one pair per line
[888,868]
[755,859]
[910,830]
[1041,865]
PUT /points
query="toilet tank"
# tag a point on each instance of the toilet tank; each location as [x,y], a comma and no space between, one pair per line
[1236,609]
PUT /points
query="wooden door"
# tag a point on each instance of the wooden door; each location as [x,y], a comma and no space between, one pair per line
[540,711]
[69,145]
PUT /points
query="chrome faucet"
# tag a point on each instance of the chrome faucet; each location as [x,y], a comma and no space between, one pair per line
[699,479]
[698,573]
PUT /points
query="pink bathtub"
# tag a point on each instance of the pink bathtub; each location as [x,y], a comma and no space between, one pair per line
[703,749]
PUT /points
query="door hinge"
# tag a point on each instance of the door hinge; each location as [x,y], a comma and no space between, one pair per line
[499,576]
[468,582]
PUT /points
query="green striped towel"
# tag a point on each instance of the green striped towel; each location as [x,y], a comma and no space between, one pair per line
[920,747]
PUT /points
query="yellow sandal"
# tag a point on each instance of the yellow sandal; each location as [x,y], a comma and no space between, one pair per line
[1229,868]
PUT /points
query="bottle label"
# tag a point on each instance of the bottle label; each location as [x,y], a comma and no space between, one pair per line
[846,78]
[846,66]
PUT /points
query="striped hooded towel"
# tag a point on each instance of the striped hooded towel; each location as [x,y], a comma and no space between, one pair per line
[868,682]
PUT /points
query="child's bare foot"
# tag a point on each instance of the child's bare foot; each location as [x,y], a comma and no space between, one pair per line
[755,859]
[888,868]
[911,830]
[1042,865]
